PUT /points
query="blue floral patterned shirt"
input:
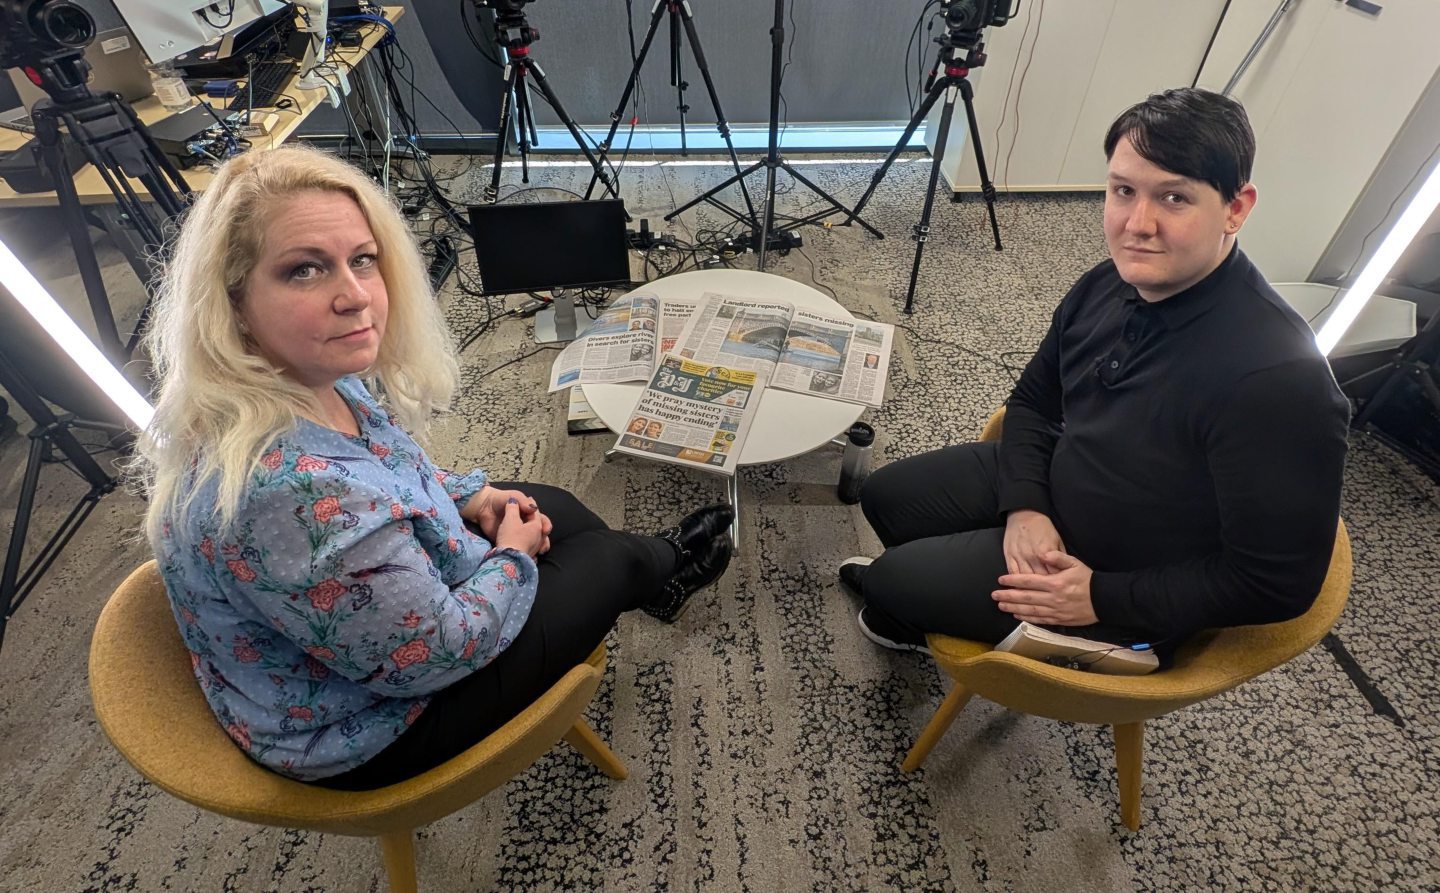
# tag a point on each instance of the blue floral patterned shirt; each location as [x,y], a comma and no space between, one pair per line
[346,592]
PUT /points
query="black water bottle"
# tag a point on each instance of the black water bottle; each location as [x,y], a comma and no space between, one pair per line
[855,465]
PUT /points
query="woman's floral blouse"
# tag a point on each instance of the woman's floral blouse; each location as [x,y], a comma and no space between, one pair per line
[346,592]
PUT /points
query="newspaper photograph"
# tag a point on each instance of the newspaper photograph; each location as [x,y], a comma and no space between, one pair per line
[694,414]
[737,333]
[832,357]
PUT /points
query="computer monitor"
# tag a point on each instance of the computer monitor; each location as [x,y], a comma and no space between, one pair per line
[547,245]
[167,28]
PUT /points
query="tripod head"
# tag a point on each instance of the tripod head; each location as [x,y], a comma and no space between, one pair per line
[512,31]
[46,39]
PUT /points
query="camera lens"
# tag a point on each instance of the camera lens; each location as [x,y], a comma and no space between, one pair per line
[963,14]
[66,24]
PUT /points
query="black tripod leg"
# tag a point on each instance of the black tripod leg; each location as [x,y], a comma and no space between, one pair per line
[677,73]
[502,130]
[616,116]
[839,208]
[768,220]
[922,230]
[525,117]
[47,131]
[720,123]
[9,580]
[544,84]
[716,190]
[937,89]
[987,188]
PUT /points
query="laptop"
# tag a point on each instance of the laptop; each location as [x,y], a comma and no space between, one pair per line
[17,119]
[116,64]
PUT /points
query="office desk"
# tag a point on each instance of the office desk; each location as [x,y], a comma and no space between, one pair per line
[99,202]
[91,187]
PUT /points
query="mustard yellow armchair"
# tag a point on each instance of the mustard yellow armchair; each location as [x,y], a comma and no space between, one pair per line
[1208,664]
[151,708]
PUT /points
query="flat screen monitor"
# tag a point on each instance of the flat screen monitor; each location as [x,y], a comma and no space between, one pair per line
[167,28]
[545,245]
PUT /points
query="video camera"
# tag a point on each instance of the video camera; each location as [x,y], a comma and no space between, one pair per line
[511,30]
[47,39]
[966,20]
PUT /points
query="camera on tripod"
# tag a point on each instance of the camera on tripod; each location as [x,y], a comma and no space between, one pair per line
[47,39]
[511,29]
[966,20]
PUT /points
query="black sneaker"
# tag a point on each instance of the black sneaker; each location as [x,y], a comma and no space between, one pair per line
[852,572]
[887,632]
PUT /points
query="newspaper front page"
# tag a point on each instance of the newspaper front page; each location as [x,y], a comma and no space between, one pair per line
[618,346]
[828,356]
[694,414]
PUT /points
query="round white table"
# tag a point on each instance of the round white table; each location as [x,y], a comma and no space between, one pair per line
[786,424]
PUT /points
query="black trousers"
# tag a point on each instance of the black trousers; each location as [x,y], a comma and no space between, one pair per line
[588,578]
[938,515]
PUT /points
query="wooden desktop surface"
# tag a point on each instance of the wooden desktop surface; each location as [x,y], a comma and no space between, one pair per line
[91,187]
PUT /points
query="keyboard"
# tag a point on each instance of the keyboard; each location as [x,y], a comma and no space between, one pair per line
[266,87]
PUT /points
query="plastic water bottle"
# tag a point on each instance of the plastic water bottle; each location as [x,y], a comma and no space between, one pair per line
[855,464]
[170,89]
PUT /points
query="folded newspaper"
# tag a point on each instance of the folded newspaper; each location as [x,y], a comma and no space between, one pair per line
[620,345]
[692,413]
[1029,640]
[791,348]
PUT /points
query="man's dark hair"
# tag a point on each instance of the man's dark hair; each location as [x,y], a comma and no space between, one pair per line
[1191,132]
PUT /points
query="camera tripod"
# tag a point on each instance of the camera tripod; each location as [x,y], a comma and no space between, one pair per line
[111,138]
[679,14]
[955,84]
[49,48]
[771,163]
[116,142]
[514,35]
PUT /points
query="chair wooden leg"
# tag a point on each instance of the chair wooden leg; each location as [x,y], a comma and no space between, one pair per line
[1129,743]
[936,728]
[397,850]
[583,738]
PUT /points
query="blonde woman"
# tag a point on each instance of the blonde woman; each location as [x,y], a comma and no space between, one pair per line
[356,614]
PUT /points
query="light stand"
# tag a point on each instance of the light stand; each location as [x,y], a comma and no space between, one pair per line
[112,138]
[773,162]
[955,83]
[51,432]
[514,35]
[28,339]
[679,14]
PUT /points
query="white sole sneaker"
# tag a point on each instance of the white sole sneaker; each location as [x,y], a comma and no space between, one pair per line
[884,641]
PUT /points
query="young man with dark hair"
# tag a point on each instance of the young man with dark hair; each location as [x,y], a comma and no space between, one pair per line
[1172,455]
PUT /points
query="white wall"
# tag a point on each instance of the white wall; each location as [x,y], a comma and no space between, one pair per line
[1327,96]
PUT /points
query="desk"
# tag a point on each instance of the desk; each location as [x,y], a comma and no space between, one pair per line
[1384,323]
[786,423]
[99,202]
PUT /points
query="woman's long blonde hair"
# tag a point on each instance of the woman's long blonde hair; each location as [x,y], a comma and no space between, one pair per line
[220,403]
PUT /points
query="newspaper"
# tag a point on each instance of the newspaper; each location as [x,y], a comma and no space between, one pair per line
[694,414]
[618,346]
[792,348]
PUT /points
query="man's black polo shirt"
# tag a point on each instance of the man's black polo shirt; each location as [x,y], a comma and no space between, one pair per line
[1190,451]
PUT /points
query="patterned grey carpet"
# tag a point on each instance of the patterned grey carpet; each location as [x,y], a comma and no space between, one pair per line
[763,733]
